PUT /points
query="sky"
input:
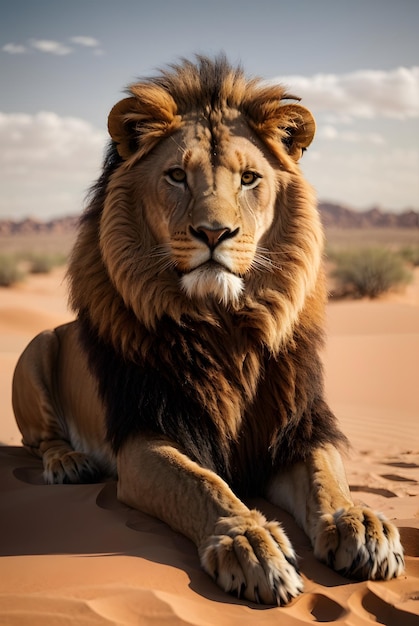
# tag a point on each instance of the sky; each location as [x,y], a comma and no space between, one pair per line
[63,65]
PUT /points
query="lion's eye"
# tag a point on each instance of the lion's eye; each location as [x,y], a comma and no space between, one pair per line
[250,179]
[176,175]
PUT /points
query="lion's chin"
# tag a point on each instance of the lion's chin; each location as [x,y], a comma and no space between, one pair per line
[213,282]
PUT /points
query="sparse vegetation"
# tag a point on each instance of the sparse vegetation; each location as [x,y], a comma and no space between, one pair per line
[410,254]
[368,272]
[15,266]
[10,270]
[44,263]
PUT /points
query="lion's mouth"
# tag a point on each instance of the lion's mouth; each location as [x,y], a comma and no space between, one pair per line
[212,280]
[211,266]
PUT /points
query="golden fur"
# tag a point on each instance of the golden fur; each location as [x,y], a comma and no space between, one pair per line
[192,370]
[284,276]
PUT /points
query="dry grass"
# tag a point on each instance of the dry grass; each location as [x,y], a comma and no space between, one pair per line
[37,244]
[32,254]
[391,238]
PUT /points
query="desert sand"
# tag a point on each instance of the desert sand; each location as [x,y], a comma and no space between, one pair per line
[71,554]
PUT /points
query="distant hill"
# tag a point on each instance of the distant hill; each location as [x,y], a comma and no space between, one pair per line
[32,226]
[338,216]
[333,216]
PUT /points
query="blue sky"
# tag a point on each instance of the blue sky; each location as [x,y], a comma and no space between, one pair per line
[64,64]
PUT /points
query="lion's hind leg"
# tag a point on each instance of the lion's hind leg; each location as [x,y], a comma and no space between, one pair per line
[40,417]
[63,464]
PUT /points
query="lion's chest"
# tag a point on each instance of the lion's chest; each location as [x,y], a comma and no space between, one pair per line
[227,407]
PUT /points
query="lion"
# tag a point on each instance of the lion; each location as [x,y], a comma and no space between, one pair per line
[192,371]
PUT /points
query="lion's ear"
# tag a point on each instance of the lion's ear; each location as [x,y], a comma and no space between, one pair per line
[140,121]
[121,127]
[299,129]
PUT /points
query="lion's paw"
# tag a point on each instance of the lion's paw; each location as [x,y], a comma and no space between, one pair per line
[253,558]
[71,467]
[360,544]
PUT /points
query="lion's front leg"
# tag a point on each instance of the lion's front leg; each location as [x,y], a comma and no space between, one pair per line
[353,540]
[242,552]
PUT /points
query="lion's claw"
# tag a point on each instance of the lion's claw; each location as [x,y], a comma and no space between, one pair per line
[360,544]
[71,467]
[253,559]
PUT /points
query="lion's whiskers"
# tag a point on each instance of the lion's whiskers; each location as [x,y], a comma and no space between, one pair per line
[263,261]
[162,255]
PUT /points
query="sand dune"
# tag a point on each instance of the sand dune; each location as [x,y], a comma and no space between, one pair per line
[72,554]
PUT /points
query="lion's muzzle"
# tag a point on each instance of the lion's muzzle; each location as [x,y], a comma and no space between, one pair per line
[212,237]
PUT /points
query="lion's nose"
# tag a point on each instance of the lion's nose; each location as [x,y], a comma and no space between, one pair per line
[212,236]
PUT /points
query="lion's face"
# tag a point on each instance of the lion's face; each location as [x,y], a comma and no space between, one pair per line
[202,209]
[212,202]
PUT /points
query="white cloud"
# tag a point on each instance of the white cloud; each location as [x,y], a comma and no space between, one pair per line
[47,163]
[360,94]
[13,48]
[88,42]
[51,47]
[329,132]
[362,179]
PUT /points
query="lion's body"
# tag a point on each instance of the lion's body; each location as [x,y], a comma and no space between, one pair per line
[193,368]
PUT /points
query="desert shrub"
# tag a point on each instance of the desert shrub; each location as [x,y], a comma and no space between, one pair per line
[410,254]
[43,263]
[369,272]
[10,270]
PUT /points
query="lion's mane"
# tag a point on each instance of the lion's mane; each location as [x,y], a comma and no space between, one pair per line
[239,387]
